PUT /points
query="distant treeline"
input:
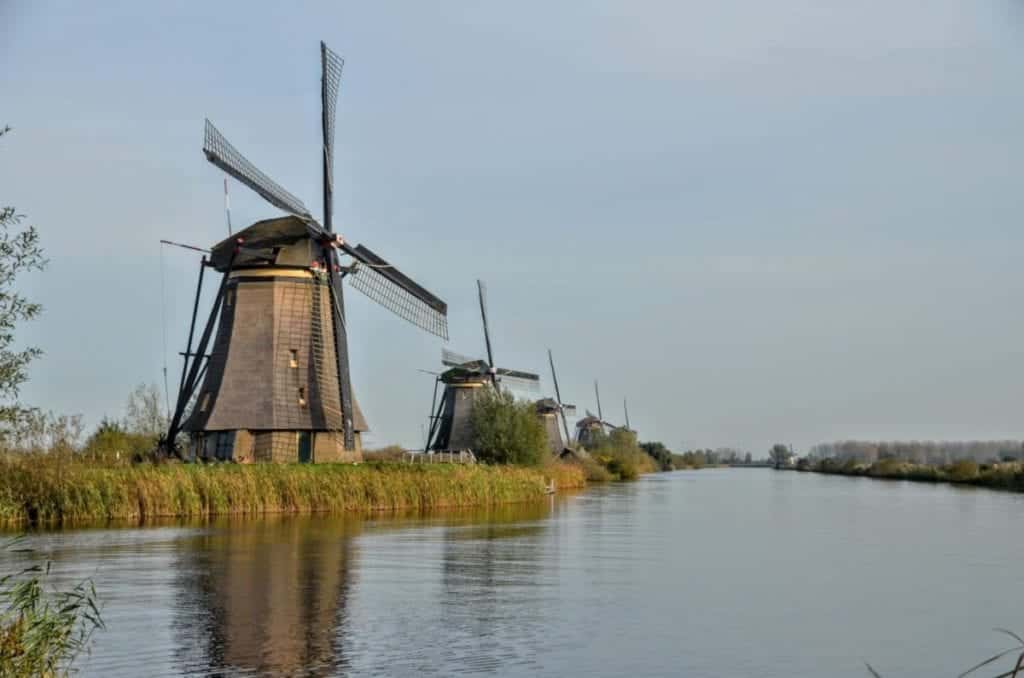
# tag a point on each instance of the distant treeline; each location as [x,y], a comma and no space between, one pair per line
[669,461]
[920,451]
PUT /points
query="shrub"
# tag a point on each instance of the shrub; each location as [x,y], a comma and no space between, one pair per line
[661,455]
[620,454]
[389,453]
[887,468]
[690,459]
[623,468]
[112,444]
[506,431]
[595,472]
[963,470]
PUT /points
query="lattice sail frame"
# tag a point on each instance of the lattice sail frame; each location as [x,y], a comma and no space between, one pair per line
[221,153]
[367,279]
[332,65]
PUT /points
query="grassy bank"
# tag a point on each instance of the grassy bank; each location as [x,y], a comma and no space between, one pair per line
[38,489]
[1003,476]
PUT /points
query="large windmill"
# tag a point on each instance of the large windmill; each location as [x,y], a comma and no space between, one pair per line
[463,381]
[276,384]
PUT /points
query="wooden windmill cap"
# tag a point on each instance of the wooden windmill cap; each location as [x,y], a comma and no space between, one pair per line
[283,241]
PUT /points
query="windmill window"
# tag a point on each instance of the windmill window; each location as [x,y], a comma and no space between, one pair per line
[229,297]
[204,402]
[302,396]
[225,445]
[293,358]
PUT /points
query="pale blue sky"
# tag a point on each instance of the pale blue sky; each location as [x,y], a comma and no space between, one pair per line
[791,221]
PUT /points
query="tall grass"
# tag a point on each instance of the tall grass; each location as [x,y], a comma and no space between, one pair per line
[566,476]
[40,489]
[42,632]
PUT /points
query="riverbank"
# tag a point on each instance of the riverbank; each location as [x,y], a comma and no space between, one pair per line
[41,491]
[1002,476]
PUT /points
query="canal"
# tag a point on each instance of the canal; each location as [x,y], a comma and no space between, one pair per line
[727,572]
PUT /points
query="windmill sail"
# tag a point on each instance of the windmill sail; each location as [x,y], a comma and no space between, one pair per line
[450,358]
[517,379]
[331,65]
[395,291]
[221,153]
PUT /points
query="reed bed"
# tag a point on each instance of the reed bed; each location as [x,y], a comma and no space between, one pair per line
[37,489]
[565,476]
[1002,476]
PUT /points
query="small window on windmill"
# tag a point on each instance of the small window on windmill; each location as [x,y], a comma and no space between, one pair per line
[204,402]
[225,445]
[229,296]
[302,396]
[293,358]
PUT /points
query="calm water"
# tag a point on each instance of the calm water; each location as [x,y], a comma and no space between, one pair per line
[708,573]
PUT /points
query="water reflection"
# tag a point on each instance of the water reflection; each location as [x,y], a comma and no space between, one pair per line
[654,578]
[265,596]
[271,596]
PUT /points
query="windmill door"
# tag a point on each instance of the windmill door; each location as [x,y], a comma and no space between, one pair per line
[305,447]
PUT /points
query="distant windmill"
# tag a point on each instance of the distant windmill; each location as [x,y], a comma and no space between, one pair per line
[550,411]
[590,429]
[276,385]
[465,379]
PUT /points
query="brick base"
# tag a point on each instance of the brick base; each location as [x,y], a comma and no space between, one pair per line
[280,447]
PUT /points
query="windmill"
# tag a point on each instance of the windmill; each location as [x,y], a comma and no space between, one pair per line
[463,381]
[592,428]
[276,385]
[550,410]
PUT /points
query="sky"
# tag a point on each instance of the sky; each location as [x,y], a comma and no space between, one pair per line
[787,222]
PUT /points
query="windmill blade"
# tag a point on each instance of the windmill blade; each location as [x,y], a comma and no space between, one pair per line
[569,410]
[518,374]
[558,396]
[453,359]
[331,65]
[482,293]
[517,379]
[221,153]
[397,292]
[517,383]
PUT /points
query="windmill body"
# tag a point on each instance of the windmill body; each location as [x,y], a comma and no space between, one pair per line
[589,430]
[465,380]
[548,412]
[274,385]
[463,384]
[272,391]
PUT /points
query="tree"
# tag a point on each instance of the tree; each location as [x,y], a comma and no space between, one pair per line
[507,431]
[780,455]
[660,454]
[20,252]
[144,413]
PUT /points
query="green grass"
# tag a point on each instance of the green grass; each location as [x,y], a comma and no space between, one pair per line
[41,489]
